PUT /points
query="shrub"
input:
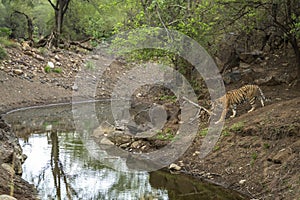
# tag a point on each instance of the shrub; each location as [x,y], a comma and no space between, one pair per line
[3,53]
[4,32]
[57,70]
[47,69]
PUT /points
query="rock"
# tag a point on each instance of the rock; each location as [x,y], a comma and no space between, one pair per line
[181,164]
[6,152]
[50,64]
[244,65]
[49,127]
[269,81]
[74,87]
[174,167]
[40,58]
[6,197]
[127,144]
[118,137]
[18,71]
[106,141]
[241,182]
[8,168]
[105,128]
[136,144]
[232,77]
[56,57]
[249,57]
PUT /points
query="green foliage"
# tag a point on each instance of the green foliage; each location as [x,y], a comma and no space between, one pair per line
[3,53]
[57,70]
[253,158]
[168,98]
[5,32]
[47,69]
[203,132]
[226,133]
[266,145]
[90,65]
[216,147]
[167,134]
[43,51]
[237,127]
[7,43]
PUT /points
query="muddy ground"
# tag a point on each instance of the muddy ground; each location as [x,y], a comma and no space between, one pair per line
[258,153]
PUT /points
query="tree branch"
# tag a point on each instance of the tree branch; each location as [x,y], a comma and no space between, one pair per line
[65,8]
[54,7]
[198,106]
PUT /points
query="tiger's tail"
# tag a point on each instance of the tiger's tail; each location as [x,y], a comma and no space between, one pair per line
[262,98]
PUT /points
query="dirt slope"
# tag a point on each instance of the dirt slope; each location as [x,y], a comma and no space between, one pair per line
[258,153]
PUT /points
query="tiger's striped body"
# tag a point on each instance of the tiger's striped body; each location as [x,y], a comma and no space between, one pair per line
[238,96]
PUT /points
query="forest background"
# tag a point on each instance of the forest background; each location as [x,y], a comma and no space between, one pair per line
[243,26]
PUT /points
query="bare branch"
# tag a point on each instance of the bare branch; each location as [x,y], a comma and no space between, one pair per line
[54,7]
[198,106]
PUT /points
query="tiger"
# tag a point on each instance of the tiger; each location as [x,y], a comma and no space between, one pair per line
[238,96]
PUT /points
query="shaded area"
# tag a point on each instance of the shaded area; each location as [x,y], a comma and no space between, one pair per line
[182,187]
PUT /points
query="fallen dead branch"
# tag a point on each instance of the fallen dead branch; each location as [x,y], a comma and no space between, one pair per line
[198,106]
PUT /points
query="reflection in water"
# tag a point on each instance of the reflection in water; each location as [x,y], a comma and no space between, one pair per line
[60,167]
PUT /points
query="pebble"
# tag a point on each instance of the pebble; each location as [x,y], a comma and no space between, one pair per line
[106,141]
[50,64]
[18,71]
[8,168]
[136,144]
[6,197]
[242,181]
[174,167]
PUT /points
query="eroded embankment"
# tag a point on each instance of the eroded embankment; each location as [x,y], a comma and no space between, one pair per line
[258,153]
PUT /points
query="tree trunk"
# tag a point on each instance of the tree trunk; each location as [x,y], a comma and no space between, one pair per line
[29,24]
[295,46]
[60,9]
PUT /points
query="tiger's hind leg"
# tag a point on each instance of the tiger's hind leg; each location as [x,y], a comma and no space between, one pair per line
[253,106]
[262,102]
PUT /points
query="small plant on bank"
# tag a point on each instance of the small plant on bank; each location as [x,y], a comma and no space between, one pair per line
[216,148]
[165,135]
[47,69]
[168,97]
[43,50]
[226,132]
[90,65]
[266,146]
[237,127]
[3,53]
[57,70]
[203,132]
[7,43]
[253,158]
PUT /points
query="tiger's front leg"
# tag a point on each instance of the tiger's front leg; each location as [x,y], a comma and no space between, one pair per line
[233,111]
[223,115]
